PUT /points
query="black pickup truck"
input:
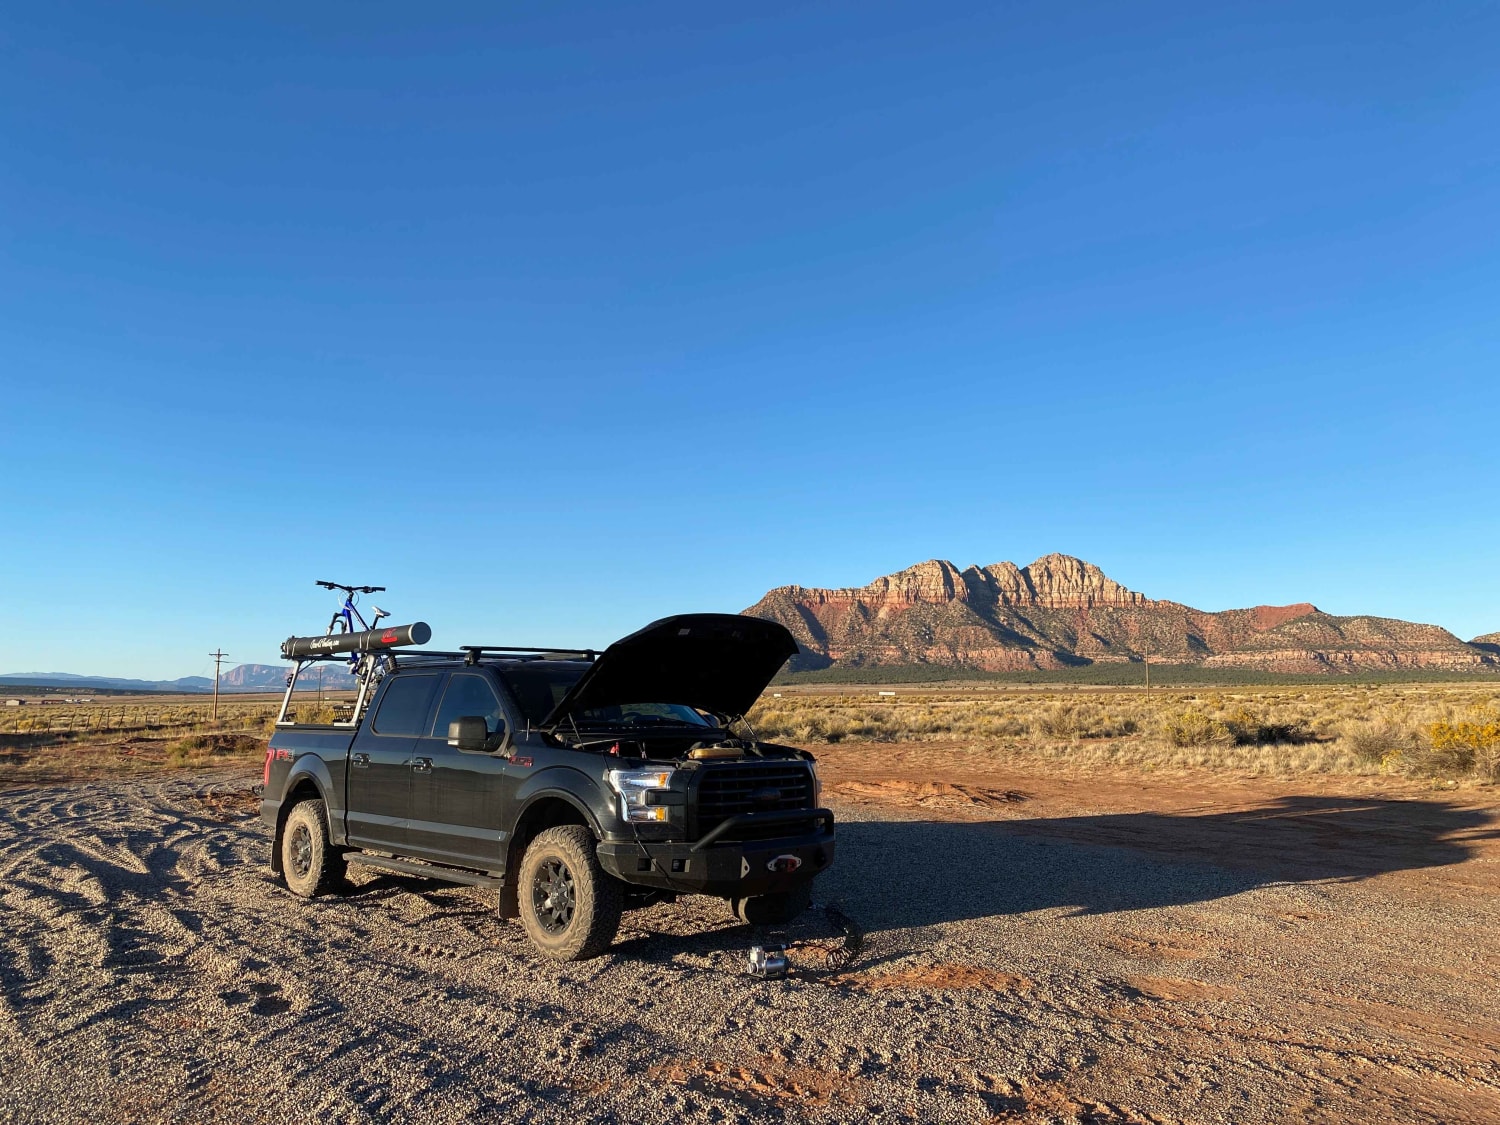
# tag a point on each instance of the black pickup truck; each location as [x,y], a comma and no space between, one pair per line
[575,783]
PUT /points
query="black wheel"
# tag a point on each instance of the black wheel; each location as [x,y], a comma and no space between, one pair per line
[773,909]
[569,906]
[309,863]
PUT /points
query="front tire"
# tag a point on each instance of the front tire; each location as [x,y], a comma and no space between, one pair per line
[569,907]
[309,863]
[773,909]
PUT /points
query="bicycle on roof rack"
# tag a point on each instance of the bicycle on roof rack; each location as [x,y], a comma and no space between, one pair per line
[369,647]
[364,665]
[346,615]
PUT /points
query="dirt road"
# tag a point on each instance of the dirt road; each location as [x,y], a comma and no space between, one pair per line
[1040,949]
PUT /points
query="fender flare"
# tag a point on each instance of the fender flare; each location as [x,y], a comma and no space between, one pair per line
[571,786]
[559,783]
[314,770]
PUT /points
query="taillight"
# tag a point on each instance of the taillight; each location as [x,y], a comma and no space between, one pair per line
[265,774]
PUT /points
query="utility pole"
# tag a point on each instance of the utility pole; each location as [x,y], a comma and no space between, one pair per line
[218,659]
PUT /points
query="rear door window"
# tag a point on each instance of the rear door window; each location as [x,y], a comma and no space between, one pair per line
[403,708]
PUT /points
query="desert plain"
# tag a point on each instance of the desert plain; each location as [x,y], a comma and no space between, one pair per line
[1077,907]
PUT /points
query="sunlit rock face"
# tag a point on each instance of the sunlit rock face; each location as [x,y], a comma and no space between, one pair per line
[1061,611]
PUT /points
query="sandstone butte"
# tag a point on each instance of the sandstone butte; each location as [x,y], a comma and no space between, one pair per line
[1062,612]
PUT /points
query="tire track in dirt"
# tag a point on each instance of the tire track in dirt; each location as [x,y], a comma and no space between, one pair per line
[152,970]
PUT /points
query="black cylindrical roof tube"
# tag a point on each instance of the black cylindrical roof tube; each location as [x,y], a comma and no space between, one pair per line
[371,640]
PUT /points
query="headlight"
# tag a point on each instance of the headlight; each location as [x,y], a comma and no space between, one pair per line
[633,785]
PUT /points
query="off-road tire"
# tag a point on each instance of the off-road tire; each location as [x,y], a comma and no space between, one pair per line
[583,921]
[774,909]
[310,864]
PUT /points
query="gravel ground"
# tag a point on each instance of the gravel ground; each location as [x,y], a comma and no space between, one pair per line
[1029,958]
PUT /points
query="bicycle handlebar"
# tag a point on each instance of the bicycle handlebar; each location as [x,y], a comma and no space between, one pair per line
[350,589]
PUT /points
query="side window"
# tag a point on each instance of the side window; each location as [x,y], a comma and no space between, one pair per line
[403,708]
[469,695]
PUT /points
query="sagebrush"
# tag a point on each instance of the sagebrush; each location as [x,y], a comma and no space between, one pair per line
[1421,730]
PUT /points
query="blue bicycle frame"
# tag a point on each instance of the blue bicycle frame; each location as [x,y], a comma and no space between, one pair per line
[349,613]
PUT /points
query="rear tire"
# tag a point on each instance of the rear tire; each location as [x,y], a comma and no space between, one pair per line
[773,909]
[309,863]
[570,907]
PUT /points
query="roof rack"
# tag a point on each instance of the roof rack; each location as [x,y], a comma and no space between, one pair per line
[472,653]
[469,654]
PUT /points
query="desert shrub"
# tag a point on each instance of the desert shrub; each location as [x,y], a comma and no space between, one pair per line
[1194,728]
[1002,726]
[1342,727]
[1470,745]
[866,725]
[199,749]
[1487,763]
[1082,720]
[1062,720]
[1480,732]
[835,727]
[1385,740]
[1326,726]
[1435,761]
[314,714]
[1250,729]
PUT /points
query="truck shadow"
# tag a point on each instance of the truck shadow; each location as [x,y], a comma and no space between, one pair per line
[901,873]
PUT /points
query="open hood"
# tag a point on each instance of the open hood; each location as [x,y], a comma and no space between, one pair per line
[716,662]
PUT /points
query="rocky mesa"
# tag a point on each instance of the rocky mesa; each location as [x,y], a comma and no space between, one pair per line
[1061,612]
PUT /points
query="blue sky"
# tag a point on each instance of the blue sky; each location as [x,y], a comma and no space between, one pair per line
[558,318]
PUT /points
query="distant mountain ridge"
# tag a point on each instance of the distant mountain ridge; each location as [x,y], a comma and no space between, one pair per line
[1061,612]
[243,678]
[1058,612]
[114,683]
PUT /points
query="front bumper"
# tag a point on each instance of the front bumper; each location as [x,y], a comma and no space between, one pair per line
[732,869]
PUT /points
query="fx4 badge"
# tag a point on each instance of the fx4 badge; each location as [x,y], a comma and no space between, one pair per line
[784,864]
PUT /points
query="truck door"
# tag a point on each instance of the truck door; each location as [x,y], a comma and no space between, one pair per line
[458,796]
[378,807]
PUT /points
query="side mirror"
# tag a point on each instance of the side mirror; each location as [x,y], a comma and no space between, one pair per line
[469,733]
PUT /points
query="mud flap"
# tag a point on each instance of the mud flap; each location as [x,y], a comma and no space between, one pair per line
[509,906]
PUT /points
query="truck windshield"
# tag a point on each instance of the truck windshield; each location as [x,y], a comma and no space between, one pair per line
[539,687]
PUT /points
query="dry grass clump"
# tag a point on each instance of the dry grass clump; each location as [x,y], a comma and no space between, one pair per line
[310,713]
[132,719]
[1382,740]
[1194,728]
[1082,720]
[201,750]
[50,742]
[1418,730]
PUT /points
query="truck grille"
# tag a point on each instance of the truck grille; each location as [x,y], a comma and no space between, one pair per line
[726,791]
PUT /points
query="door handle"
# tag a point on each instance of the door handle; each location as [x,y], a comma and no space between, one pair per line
[360,761]
[422,765]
